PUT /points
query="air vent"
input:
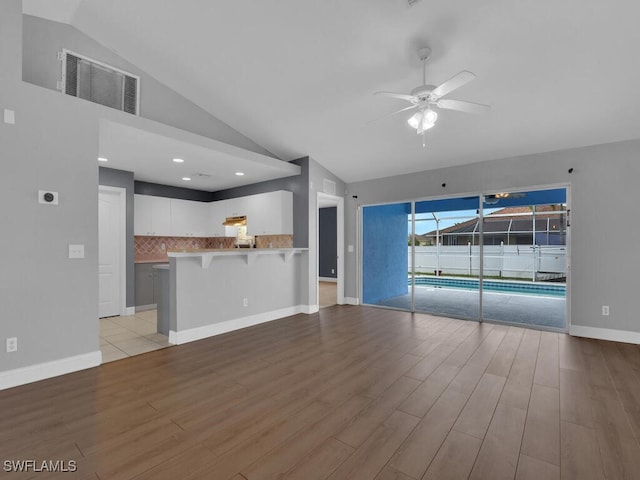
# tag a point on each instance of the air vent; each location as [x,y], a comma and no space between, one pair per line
[97,82]
[329,187]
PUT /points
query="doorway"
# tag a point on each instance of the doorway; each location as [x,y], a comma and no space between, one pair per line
[122,333]
[330,257]
[111,251]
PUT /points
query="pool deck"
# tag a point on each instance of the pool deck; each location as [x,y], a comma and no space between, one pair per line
[542,311]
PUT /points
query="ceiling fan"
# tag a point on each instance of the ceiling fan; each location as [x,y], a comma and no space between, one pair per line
[424,97]
[496,197]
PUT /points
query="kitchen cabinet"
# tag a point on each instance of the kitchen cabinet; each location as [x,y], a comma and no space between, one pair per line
[220,210]
[216,217]
[190,219]
[145,278]
[151,215]
[269,213]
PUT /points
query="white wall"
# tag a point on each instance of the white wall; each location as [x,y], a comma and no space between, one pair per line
[603,212]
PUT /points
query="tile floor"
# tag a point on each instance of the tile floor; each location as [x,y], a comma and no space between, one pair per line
[328,294]
[122,337]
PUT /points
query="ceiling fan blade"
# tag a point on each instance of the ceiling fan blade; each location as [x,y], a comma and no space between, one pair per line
[401,96]
[392,114]
[453,83]
[462,106]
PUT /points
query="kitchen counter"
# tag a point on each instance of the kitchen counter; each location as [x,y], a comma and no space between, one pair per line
[213,291]
[152,260]
[206,255]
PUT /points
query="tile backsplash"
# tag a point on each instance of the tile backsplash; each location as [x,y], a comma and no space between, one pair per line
[150,248]
[274,241]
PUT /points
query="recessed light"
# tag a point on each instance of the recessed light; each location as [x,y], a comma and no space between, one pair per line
[178,160]
[186,179]
[102,159]
[240,174]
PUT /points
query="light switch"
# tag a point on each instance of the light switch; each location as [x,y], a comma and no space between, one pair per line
[9,116]
[76,251]
[350,248]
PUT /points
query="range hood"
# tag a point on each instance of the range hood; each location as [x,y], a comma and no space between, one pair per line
[235,221]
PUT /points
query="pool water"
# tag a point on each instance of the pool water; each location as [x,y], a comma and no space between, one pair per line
[525,288]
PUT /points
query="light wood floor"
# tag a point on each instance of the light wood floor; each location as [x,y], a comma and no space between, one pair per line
[347,393]
[328,294]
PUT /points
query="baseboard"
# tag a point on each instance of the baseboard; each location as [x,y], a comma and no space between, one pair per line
[129,311]
[42,371]
[352,301]
[623,336]
[309,309]
[198,333]
[144,308]
[328,279]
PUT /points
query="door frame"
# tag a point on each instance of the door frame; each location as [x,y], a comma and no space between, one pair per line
[122,242]
[325,200]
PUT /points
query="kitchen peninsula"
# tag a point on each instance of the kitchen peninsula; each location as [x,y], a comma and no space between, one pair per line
[213,291]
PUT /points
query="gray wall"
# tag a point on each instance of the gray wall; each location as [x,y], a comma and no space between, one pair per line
[157,190]
[119,178]
[42,39]
[298,185]
[49,301]
[604,261]
[206,296]
[317,175]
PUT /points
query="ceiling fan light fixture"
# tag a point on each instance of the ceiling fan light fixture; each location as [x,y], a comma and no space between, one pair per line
[423,120]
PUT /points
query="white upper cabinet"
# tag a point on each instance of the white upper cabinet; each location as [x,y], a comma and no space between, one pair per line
[190,219]
[151,215]
[216,217]
[269,213]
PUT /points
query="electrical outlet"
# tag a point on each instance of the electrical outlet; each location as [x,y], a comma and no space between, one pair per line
[76,251]
[12,344]
[245,302]
[605,310]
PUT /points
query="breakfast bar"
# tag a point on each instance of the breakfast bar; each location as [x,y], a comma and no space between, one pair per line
[213,291]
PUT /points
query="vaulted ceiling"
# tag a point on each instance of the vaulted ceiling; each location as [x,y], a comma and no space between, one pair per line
[298,76]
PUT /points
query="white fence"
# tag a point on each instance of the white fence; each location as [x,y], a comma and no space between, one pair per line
[517,261]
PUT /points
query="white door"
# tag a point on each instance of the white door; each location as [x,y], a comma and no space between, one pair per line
[109,254]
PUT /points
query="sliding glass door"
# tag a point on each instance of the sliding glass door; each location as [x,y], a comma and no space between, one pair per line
[446,266]
[503,260]
[525,258]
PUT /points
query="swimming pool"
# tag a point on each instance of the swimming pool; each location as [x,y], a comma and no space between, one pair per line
[525,288]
